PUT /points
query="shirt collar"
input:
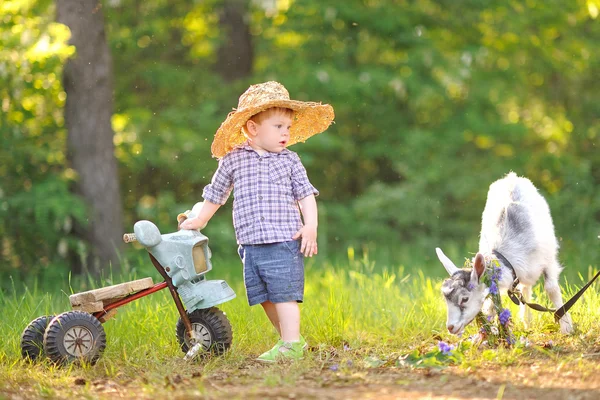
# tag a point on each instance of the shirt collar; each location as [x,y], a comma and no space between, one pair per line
[247,147]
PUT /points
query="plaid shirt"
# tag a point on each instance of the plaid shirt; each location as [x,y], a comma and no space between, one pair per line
[266,190]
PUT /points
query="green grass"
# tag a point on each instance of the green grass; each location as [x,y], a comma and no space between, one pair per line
[356,315]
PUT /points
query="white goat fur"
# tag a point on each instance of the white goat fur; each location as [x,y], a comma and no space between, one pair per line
[516,222]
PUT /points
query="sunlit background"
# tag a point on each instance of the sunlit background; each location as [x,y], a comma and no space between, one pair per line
[434,100]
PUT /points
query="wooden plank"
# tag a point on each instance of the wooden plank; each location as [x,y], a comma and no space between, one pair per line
[108,315]
[110,292]
[91,307]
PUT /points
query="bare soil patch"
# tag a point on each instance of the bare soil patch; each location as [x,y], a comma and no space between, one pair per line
[545,379]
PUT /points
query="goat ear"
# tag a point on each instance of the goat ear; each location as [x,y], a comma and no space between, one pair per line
[446,262]
[478,266]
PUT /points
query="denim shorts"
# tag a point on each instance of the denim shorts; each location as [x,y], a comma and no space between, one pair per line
[273,271]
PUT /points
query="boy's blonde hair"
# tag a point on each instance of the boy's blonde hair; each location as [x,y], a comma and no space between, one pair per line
[269,112]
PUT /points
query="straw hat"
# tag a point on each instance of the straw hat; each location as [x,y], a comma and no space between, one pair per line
[309,118]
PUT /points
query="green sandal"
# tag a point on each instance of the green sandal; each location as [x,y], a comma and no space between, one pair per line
[284,351]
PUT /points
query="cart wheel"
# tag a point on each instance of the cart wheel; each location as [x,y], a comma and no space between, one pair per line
[211,327]
[74,336]
[32,338]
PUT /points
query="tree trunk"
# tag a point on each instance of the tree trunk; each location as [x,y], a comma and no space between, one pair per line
[235,55]
[88,83]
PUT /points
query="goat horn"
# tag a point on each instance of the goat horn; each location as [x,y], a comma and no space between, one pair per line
[448,264]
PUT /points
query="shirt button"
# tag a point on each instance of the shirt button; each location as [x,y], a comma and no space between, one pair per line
[260,197]
[262,218]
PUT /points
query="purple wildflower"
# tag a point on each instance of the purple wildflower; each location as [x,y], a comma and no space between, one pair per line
[510,340]
[493,288]
[470,286]
[504,316]
[496,274]
[334,367]
[445,348]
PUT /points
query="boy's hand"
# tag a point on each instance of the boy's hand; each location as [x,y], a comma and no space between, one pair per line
[309,240]
[192,223]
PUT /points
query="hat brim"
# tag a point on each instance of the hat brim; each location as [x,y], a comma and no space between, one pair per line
[309,119]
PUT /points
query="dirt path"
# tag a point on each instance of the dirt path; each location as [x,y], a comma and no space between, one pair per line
[545,379]
[559,376]
[523,382]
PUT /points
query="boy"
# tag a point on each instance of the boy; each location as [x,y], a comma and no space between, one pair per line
[270,188]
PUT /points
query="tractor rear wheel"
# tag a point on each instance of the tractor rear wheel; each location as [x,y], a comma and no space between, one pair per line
[74,336]
[32,338]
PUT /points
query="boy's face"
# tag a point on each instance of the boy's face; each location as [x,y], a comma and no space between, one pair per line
[272,134]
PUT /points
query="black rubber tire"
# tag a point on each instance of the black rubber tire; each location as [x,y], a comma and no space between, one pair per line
[212,324]
[74,336]
[32,338]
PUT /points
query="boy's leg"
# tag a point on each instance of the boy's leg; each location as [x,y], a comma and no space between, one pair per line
[282,271]
[271,312]
[288,314]
[291,346]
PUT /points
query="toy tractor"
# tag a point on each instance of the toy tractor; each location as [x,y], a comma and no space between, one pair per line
[182,258]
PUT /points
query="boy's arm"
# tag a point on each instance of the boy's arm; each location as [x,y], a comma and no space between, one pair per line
[215,194]
[206,212]
[308,232]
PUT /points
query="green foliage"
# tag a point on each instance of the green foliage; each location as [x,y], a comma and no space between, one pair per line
[37,211]
[433,101]
[424,94]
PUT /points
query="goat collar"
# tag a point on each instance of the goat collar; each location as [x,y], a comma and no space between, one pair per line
[509,265]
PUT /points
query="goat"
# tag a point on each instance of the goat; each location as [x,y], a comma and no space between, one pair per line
[516,225]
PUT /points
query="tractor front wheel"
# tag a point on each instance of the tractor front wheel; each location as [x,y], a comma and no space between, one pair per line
[212,330]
